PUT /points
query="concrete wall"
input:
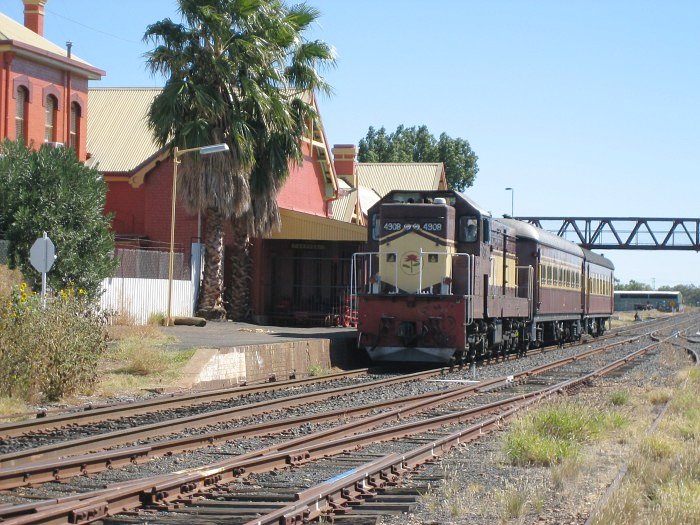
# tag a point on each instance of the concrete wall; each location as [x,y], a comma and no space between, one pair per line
[214,368]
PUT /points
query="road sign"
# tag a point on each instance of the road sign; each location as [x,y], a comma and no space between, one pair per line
[42,254]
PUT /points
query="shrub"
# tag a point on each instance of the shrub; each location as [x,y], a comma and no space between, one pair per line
[46,353]
[50,190]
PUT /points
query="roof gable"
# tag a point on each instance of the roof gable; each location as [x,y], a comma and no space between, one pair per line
[27,42]
[118,138]
[384,177]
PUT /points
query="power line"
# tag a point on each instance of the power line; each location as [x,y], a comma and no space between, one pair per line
[93,28]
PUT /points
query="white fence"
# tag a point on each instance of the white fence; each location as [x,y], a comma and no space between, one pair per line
[138,290]
[140,298]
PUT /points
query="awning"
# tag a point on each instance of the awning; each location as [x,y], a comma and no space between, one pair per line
[303,226]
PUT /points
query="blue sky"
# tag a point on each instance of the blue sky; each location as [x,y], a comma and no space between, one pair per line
[584,107]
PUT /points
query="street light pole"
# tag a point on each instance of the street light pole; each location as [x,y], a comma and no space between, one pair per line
[512,200]
[204,150]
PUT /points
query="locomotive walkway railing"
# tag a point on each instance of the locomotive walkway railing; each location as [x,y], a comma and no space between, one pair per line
[624,233]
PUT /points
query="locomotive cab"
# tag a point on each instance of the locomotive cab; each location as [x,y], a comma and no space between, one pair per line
[415,245]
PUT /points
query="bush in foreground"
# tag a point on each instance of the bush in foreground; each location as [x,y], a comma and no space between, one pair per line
[51,190]
[46,353]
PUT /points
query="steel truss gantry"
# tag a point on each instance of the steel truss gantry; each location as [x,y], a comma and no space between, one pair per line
[624,233]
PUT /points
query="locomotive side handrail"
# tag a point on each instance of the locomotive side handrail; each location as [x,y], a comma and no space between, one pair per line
[354,269]
[471,277]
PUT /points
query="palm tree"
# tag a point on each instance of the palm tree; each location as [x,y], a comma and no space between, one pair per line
[239,71]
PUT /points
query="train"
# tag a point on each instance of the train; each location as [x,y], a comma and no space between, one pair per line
[443,281]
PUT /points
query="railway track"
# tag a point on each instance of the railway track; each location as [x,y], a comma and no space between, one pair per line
[67,434]
[31,465]
[169,491]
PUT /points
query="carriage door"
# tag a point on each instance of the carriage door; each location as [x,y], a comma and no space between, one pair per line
[586,288]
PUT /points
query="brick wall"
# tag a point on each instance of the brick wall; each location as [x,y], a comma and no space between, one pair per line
[41,80]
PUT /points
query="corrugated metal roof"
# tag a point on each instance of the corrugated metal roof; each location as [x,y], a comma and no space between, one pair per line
[118,138]
[368,198]
[343,207]
[384,177]
[12,30]
[302,226]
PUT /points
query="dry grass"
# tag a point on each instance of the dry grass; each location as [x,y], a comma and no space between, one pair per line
[10,406]
[548,435]
[126,332]
[137,363]
[662,485]
[566,471]
[9,279]
[449,497]
[659,396]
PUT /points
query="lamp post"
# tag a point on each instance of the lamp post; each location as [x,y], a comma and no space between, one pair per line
[512,200]
[204,150]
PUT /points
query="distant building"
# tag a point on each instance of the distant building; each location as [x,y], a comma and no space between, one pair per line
[43,87]
[626,301]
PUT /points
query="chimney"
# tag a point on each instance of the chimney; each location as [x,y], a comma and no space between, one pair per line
[34,15]
[344,159]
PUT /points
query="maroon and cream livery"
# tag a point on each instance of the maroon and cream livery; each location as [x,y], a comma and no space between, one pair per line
[443,281]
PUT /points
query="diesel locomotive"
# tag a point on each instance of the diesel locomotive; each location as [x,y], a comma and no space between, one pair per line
[443,281]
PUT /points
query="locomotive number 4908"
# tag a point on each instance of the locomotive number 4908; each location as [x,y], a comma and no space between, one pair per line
[426,226]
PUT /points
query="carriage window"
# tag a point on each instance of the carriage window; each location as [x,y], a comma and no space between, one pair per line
[375,227]
[468,229]
[487,230]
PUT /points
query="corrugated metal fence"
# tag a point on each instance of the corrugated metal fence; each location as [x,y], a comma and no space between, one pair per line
[139,287]
[139,299]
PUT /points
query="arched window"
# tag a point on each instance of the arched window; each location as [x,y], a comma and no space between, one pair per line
[50,121]
[21,113]
[74,125]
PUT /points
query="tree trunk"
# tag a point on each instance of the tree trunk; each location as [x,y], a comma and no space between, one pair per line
[241,269]
[211,303]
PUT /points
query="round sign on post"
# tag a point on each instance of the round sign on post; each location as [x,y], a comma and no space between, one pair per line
[42,254]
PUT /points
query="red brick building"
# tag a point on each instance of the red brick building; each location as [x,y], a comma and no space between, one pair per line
[43,87]
[299,272]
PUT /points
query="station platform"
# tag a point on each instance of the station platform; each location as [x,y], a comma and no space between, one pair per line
[231,353]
